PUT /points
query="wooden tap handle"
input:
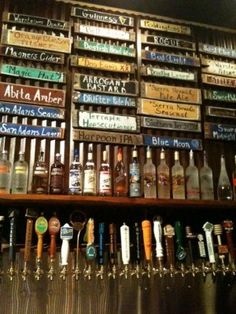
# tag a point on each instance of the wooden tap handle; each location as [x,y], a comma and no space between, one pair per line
[228,226]
[113,243]
[52,248]
[147,239]
[40,246]
[28,239]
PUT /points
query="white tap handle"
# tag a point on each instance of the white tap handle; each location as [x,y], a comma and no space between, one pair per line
[65,248]
[158,237]
[208,228]
[125,244]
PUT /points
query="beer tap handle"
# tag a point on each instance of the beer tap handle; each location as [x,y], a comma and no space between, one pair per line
[147,242]
[169,233]
[157,230]
[41,226]
[2,218]
[222,249]
[208,228]
[191,237]
[125,247]
[137,250]
[112,249]
[90,248]
[53,229]
[66,234]
[180,251]
[228,227]
[12,243]
[101,230]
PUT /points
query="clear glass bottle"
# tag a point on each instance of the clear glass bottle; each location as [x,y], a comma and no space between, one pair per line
[149,176]
[40,176]
[206,181]
[134,175]
[105,187]
[120,187]
[90,180]
[5,173]
[234,178]
[20,175]
[178,180]
[76,175]
[163,178]
[224,188]
[192,179]
[57,176]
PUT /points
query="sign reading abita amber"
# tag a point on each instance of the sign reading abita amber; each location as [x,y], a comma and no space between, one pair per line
[104,32]
[218,51]
[219,95]
[102,16]
[166,27]
[221,112]
[100,64]
[31,111]
[104,100]
[167,124]
[32,73]
[219,131]
[171,74]
[168,42]
[98,120]
[169,109]
[104,84]
[106,137]
[32,94]
[104,48]
[24,19]
[172,142]
[171,93]
[218,67]
[36,40]
[31,131]
[218,80]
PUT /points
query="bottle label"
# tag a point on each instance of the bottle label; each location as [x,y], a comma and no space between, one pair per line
[105,182]
[89,181]
[135,188]
[57,180]
[178,186]
[163,179]
[75,180]
[234,182]
[4,169]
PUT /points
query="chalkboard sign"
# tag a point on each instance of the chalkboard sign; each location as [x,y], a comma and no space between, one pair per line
[219,95]
[217,50]
[218,80]
[220,131]
[171,74]
[165,27]
[168,42]
[218,67]
[104,84]
[221,112]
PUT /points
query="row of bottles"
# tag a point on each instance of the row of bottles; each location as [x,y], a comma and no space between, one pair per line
[158,182]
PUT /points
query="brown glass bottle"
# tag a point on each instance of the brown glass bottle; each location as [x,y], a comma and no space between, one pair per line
[57,176]
[120,187]
[40,176]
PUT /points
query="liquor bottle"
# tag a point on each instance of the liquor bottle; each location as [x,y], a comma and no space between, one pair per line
[57,176]
[149,176]
[5,173]
[134,175]
[40,176]
[192,179]
[178,181]
[163,178]
[120,176]
[206,181]
[76,175]
[234,178]
[224,189]
[105,188]
[20,175]
[90,180]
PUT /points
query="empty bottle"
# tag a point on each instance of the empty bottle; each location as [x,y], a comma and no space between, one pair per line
[5,173]
[192,179]
[224,188]
[206,181]
[20,175]
[149,176]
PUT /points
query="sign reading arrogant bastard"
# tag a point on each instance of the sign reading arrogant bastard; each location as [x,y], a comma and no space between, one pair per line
[219,131]
[32,94]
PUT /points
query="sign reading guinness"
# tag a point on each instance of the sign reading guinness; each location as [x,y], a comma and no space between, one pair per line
[104,84]
[172,142]
[218,67]
[171,93]
[168,42]
[172,74]
[169,110]
[218,51]
[102,16]
[219,131]
[218,80]
[166,27]
[219,95]
[221,112]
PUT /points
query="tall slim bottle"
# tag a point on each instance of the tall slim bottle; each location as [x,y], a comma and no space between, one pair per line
[90,180]
[120,187]
[163,178]
[178,180]
[149,176]
[134,175]
[224,188]
[40,175]
[5,173]
[192,179]
[105,187]
[206,181]
[57,176]
[20,175]
[76,175]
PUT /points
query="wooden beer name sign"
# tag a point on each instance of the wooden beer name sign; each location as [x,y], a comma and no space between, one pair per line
[32,73]
[104,48]
[221,112]
[102,16]
[165,27]
[171,93]
[104,32]
[32,94]
[36,40]
[170,58]
[218,51]
[167,124]
[224,132]
[168,42]
[35,21]
[13,129]
[31,111]
[172,142]
[97,120]
[100,64]
[104,84]
[106,137]
[218,67]
[219,95]
[104,100]
[172,74]
[169,110]
[218,80]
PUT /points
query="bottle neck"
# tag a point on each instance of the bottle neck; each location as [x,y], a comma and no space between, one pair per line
[21,157]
